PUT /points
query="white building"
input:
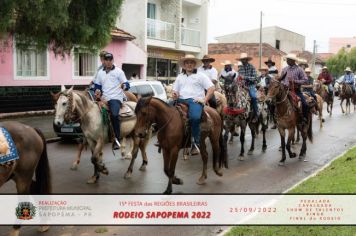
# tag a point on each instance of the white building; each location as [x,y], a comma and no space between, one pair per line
[282,39]
[166,30]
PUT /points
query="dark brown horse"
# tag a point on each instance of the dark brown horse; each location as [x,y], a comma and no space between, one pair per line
[321,90]
[33,161]
[289,118]
[171,134]
[345,94]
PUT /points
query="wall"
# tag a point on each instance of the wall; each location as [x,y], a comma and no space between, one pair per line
[335,44]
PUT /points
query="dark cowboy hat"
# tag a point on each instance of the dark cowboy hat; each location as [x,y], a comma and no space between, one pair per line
[207,58]
[270,61]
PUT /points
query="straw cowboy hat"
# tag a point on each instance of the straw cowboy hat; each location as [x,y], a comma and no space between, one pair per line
[348,69]
[324,68]
[244,56]
[307,70]
[263,68]
[270,61]
[302,61]
[291,56]
[207,58]
[226,62]
[189,57]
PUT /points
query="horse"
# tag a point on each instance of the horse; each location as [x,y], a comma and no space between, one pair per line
[289,118]
[322,91]
[171,136]
[33,161]
[345,93]
[94,126]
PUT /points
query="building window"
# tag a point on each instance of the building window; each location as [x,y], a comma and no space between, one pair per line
[173,69]
[151,67]
[151,10]
[278,42]
[31,63]
[162,67]
[85,63]
[157,67]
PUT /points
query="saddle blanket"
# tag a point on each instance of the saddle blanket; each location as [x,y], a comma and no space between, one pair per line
[8,151]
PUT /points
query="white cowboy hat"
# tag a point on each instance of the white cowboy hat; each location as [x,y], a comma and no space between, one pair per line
[244,56]
[226,62]
[307,70]
[302,61]
[291,56]
[189,57]
[324,68]
[348,69]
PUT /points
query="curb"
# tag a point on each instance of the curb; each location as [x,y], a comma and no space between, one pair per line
[26,113]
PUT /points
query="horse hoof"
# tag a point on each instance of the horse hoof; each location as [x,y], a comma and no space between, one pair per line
[281,163]
[305,160]
[201,181]
[185,157]
[293,155]
[127,175]
[241,158]
[177,181]
[74,167]
[142,168]
[218,172]
[167,192]
[104,171]
[43,228]
[264,148]
[128,156]
[92,180]
[323,120]
[250,152]
[280,149]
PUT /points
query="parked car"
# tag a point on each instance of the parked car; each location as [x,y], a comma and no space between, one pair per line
[143,88]
[146,88]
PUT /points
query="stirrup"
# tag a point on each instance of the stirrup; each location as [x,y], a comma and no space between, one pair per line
[117,142]
[197,147]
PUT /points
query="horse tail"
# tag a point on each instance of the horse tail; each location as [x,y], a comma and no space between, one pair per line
[223,159]
[310,129]
[42,185]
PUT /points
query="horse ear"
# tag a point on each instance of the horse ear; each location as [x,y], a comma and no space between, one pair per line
[55,96]
[63,88]
[70,90]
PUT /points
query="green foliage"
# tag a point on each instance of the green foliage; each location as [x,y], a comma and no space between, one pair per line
[59,25]
[341,60]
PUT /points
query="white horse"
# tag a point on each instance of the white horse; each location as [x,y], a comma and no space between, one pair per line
[72,104]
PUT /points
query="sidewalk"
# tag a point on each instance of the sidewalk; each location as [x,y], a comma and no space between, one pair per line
[44,123]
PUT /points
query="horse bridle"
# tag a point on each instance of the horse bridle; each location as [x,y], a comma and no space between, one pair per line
[279,102]
[68,114]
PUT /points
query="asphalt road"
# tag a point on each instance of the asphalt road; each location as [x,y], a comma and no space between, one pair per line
[259,173]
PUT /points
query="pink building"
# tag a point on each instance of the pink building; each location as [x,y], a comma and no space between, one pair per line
[335,44]
[26,77]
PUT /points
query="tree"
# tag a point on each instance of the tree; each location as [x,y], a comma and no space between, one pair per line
[59,24]
[341,60]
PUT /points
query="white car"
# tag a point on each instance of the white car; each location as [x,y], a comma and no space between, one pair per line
[148,88]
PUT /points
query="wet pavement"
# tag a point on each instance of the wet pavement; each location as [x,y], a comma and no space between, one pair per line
[259,173]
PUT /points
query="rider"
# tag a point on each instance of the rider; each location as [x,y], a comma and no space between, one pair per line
[293,76]
[326,79]
[189,88]
[272,69]
[308,87]
[248,73]
[264,79]
[228,73]
[113,82]
[212,74]
[349,78]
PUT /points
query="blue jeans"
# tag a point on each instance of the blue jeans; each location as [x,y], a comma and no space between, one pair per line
[195,110]
[115,106]
[304,103]
[252,93]
[331,88]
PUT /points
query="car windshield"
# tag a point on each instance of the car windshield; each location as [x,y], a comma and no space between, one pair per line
[158,89]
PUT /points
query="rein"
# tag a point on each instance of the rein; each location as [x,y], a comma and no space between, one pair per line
[69,111]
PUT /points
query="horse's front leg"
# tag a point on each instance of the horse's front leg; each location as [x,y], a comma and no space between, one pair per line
[204,157]
[253,134]
[282,133]
[123,148]
[129,143]
[143,145]
[169,162]
[303,150]
[76,162]
[96,159]
[264,144]
[136,144]
[291,132]
[342,108]
[242,139]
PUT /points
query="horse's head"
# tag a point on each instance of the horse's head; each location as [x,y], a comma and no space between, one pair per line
[317,85]
[275,89]
[62,105]
[144,117]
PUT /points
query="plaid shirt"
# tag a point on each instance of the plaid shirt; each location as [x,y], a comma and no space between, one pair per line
[248,73]
[295,74]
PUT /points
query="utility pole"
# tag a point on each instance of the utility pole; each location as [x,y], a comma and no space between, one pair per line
[260,41]
[314,57]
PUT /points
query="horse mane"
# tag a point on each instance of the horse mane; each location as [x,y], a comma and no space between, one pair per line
[83,99]
[142,102]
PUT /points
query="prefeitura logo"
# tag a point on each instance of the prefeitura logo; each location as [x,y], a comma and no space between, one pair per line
[25,211]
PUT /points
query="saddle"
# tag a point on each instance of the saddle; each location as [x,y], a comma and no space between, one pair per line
[296,102]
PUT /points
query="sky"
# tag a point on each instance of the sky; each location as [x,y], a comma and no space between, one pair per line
[315,19]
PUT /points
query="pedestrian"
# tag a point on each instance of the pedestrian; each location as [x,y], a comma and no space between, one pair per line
[113,82]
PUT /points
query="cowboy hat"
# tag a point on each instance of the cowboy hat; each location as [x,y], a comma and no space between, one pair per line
[302,61]
[348,69]
[270,61]
[263,68]
[324,68]
[291,56]
[207,58]
[244,56]
[307,70]
[239,63]
[226,62]
[189,57]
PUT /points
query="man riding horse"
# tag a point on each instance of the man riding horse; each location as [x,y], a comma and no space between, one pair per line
[349,78]
[189,88]
[212,74]
[293,77]
[327,80]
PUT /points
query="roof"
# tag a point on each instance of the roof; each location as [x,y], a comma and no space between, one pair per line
[117,33]
[251,49]
[325,56]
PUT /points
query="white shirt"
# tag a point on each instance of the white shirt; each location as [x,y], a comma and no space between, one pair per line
[263,81]
[211,73]
[192,86]
[111,82]
[230,73]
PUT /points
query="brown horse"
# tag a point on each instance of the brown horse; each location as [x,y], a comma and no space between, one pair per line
[33,161]
[171,136]
[289,118]
[322,91]
[345,94]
